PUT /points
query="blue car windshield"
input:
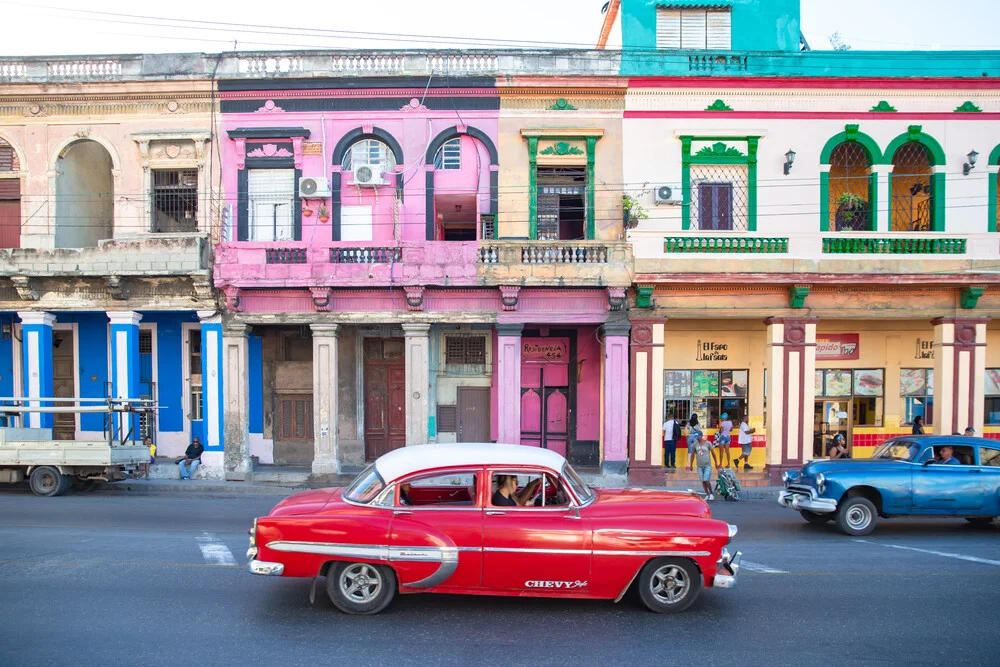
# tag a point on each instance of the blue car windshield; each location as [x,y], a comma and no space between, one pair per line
[897,451]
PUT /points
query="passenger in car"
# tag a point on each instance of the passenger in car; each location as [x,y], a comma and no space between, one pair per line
[946,456]
[404,494]
[506,494]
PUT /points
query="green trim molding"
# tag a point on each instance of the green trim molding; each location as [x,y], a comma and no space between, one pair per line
[851,133]
[938,180]
[797,296]
[969,297]
[968,107]
[718,105]
[644,296]
[560,148]
[739,245]
[533,187]
[720,153]
[994,193]
[854,245]
[883,107]
[562,105]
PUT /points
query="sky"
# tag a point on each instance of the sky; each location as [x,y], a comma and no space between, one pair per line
[65,27]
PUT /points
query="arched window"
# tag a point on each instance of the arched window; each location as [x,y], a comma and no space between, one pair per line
[85,204]
[371,153]
[449,156]
[851,188]
[913,188]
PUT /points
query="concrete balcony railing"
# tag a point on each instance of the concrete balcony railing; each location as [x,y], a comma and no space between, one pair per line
[148,256]
[578,263]
[818,252]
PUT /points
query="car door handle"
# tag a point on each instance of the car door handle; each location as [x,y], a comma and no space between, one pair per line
[402,513]
[495,513]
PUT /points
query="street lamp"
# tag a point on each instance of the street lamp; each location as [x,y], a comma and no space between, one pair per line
[971,164]
[789,161]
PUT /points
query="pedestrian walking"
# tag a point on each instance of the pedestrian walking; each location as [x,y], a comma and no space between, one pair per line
[671,434]
[701,451]
[745,441]
[918,425]
[723,439]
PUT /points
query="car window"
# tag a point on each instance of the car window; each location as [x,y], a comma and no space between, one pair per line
[365,486]
[898,450]
[989,456]
[580,488]
[530,490]
[453,489]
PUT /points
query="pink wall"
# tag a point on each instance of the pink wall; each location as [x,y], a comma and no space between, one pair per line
[413,129]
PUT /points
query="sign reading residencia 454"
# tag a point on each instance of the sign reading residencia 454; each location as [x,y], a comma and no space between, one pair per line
[831,347]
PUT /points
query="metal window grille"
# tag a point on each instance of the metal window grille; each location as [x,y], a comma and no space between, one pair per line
[489,226]
[271,204]
[561,210]
[465,350]
[145,341]
[850,188]
[912,188]
[449,156]
[369,152]
[175,200]
[719,197]
[447,419]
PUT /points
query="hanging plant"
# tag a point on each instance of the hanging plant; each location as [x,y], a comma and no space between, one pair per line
[324,213]
[632,212]
[306,210]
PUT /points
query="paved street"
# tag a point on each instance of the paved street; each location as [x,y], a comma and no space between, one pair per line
[112,579]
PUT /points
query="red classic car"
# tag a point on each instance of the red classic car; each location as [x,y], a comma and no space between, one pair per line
[493,520]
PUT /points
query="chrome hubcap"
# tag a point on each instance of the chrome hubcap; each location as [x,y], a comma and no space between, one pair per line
[858,517]
[670,584]
[360,583]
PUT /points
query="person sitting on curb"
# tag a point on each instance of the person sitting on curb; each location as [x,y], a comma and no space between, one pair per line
[191,460]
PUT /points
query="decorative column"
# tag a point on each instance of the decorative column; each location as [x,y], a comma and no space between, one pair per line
[417,382]
[234,363]
[646,403]
[125,367]
[791,368]
[882,175]
[325,399]
[509,383]
[959,374]
[36,352]
[616,385]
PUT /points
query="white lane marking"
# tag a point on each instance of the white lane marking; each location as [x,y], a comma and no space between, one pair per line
[751,566]
[213,551]
[946,554]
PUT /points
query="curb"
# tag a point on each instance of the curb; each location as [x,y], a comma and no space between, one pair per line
[217,487]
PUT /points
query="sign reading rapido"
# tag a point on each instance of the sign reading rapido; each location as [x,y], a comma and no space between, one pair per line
[831,347]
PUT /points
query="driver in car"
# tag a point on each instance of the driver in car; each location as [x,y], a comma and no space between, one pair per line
[506,494]
[946,456]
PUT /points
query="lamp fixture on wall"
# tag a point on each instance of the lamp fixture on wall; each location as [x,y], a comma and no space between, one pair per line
[971,164]
[789,161]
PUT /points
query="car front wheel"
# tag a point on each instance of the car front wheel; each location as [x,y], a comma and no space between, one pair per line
[856,516]
[815,517]
[360,588]
[669,585]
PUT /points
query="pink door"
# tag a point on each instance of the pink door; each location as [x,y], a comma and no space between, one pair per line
[544,408]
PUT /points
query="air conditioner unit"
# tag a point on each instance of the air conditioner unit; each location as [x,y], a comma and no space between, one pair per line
[314,188]
[668,194]
[368,175]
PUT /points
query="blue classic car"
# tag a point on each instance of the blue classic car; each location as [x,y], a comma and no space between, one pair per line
[950,476]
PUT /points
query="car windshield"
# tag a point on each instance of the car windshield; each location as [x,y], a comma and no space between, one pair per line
[580,488]
[897,451]
[365,486]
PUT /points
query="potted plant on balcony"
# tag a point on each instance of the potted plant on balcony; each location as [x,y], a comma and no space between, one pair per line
[324,213]
[306,209]
[632,212]
[852,213]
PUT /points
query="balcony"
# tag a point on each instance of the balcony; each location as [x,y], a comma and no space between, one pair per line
[540,263]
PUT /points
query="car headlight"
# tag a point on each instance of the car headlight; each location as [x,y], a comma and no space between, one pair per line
[732,531]
[785,477]
[820,481]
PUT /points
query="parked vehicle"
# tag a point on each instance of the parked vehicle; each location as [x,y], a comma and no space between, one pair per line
[429,519]
[906,476]
[53,466]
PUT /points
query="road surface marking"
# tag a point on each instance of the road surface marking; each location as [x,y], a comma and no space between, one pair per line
[751,566]
[946,554]
[214,551]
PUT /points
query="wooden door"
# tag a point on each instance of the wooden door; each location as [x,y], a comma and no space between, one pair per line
[473,414]
[385,396]
[63,384]
[10,222]
[545,407]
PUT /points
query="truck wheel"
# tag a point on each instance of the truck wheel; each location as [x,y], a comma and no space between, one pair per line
[815,517]
[669,585]
[856,516]
[65,484]
[360,588]
[46,481]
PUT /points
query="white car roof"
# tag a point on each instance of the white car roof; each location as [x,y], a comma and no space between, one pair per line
[405,460]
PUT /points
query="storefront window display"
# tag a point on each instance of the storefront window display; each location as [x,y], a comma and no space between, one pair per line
[707,393]
[846,399]
[916,392]
[992,391]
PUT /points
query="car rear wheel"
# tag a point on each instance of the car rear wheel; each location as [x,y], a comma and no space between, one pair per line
[856,516]
[815,517]
[360,588]
[669,585]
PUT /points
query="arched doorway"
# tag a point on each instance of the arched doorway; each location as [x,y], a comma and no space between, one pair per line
[851,188]
[913,188]
[84,195]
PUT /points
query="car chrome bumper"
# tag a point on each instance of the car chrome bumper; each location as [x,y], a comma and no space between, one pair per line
[801,500]
[727,569]
[267,569]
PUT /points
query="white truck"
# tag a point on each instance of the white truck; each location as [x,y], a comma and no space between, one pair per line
[53,466]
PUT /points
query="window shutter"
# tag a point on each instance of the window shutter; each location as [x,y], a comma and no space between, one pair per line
[6,158]
[447,419]
[693,28]
[720,30]
[668,28]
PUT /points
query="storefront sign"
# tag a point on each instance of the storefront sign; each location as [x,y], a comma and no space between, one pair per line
[925,349]
[541,349]
[711,351]
[832,347]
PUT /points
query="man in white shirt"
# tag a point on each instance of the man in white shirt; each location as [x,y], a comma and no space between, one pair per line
[669,445]
[745,441]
